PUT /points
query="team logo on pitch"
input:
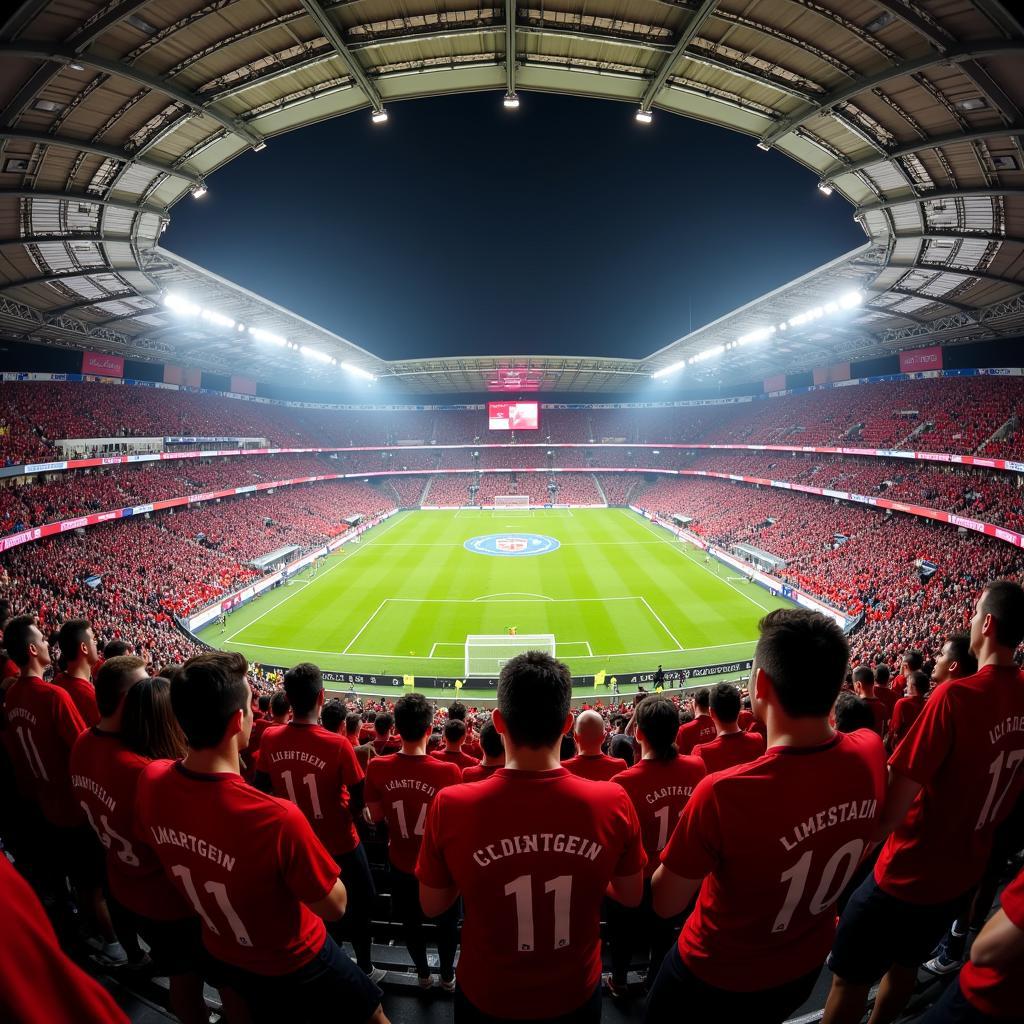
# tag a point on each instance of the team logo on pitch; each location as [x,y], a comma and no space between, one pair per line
[512,545]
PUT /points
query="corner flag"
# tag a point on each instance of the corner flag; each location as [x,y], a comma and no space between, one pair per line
[458,684]
[599,678]
[408,680]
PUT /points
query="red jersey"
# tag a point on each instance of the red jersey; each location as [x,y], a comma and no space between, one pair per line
[312,768]
[405,786]
[881,712]
[472,747]
[999,992]
[776,842]
[456,757]
[730,749]
[248,863]
[660,790]
[899,686]
[700,730]
[903,717]
[104,776]
[83,693]
[965,749]
[480,771]
[745,719]
[532,854]
[42,726]
[596,767]
[37,981]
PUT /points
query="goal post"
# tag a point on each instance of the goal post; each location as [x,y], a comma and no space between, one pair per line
[512,502]
[487,653]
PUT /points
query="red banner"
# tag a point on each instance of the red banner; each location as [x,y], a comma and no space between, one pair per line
[192,378]
[243,385]
[776,383]
[103,365]
[172,374]
[919,359]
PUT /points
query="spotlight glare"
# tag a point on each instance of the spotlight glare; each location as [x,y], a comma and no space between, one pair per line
[379,116]
[357,371]
[511,101]
[644,116]
[198,191]
[824,188]
[665,371]
[763,146]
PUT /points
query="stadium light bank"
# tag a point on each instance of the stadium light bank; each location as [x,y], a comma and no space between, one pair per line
[846,301]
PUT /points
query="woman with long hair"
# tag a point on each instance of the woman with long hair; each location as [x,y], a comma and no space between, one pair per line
[148,725]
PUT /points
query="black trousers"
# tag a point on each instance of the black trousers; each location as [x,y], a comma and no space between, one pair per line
[355,925]
[405,898]
[632,928]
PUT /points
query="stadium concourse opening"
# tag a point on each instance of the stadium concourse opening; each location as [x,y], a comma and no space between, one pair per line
[412,680]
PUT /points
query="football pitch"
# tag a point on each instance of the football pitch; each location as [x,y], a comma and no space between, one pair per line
[618,594]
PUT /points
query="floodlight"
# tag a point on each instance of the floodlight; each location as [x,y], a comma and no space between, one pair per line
[314,353]
[666,370]
[217,318]
[259,147]
[358,371]
[198,191]
[261,335]
[379,116]
[180,305]
[644,116]
[824,188]
[763,146]
[511,101]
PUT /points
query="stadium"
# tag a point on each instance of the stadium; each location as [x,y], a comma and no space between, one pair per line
[200,471]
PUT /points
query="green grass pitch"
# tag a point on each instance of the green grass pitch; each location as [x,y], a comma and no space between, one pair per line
[619,594]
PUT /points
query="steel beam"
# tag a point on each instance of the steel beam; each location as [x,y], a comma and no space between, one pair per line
[64,275]
[109,152]
[920,146]
[958,236]
[981,275]
[351,62]
[693,26]
[14,243]
[78,197]
[960,55]
[941,193]
[510,47]
[41,50]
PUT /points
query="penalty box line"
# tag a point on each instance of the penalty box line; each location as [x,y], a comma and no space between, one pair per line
[461,646]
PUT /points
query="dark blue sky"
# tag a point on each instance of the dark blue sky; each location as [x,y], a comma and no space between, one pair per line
[463,228]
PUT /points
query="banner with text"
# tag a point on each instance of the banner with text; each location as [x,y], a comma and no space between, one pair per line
[919,359]
[102,364]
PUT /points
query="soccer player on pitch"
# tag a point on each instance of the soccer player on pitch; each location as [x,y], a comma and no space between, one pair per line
[248,863]
[317,771]
[954,777]
[400,788]
[771,844]
[532,850]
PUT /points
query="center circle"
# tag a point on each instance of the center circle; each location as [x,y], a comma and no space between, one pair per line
[512,545]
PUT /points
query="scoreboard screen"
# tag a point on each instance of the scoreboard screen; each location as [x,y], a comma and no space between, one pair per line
[513,415]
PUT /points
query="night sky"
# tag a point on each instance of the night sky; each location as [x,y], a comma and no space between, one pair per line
[462,228]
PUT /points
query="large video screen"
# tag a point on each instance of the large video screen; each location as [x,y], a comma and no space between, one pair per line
[513,415]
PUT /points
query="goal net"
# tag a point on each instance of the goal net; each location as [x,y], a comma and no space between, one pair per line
[487,653]
[511,502]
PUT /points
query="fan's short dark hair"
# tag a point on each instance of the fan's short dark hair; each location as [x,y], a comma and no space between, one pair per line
[16,638]
[353,721]
[853,713]
[303,683]
[413,715]
[882,674]
[114,649]
[960,651]
[206,694]
[264,702]
[455,729]
[702,699]
[1004,601]
[382,724]
[919,682]
[862,674]
[71,636]
[658,719]
[112,681]
[279,703]
[534,693]
[725,702]
[332,714]
[457,710]
[490,740]
[913,660]
[805,654]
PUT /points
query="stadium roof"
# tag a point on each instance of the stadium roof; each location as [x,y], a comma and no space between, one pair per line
[114,112]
